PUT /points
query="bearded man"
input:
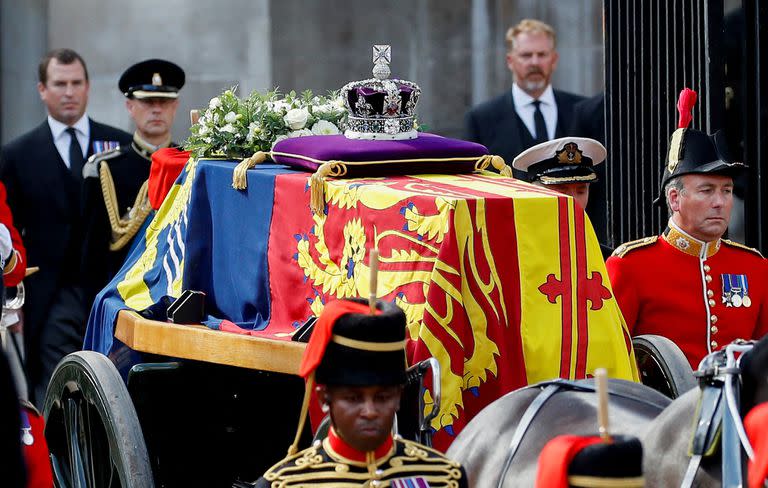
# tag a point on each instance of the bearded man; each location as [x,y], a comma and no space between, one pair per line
[532,112]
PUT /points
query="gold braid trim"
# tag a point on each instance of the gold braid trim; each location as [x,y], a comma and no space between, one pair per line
[632,245]
[13,260]
[554,180]
[597,482]
[239,175]
[123,229]
[742,246]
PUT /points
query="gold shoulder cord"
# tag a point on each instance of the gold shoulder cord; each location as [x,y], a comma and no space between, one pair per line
[123,229]
[623,249]
[742,246]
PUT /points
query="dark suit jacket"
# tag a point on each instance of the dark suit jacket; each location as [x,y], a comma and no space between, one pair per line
[589,121]
[45,200]
[589,118]
[496,125]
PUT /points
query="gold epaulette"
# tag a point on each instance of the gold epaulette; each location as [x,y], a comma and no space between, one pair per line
[632,245]
[91,167]
[742,246]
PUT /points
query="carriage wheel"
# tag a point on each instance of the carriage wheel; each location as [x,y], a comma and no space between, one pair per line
[662,365]
[92,429]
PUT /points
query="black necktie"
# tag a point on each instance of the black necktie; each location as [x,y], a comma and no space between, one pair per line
[538,121]
[76,159]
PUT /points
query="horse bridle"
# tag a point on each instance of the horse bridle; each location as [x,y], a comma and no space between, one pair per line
[722,368]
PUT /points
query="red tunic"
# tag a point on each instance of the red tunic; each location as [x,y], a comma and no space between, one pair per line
[14,268]
[677,287]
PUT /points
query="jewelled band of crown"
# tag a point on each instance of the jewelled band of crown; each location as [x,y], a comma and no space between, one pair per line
[381,108]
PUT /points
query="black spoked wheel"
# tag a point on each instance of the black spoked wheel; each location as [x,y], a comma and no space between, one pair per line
[92,429]
[662,365]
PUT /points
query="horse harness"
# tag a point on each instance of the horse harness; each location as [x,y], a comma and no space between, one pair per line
[717,419]
[548,389]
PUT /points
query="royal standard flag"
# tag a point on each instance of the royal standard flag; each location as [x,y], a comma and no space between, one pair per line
[503,282]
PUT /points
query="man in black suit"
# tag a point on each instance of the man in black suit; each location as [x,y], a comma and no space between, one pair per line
[42,171]
[589,121]
[532,112]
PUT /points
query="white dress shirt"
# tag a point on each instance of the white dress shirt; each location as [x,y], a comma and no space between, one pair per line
[61,138]
[525,109]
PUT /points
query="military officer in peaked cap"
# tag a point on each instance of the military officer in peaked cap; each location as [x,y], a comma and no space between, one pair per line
[115,199]
[358,361]
[566,165]
[689,284]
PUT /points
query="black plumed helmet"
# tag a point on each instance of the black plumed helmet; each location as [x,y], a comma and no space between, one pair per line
[366,349]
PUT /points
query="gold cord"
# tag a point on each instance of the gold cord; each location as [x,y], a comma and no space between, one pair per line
[310,382]
[123,229]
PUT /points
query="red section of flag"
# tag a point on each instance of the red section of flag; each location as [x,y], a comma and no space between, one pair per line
[582,340]
[565,281]
[167,164]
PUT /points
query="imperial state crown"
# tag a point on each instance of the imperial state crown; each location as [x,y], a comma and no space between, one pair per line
[380,107]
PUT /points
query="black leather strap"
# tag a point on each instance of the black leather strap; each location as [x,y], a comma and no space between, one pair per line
[709,416]
[525,422]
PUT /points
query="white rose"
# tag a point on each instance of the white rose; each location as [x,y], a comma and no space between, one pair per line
[229,128]
[278,139]
[214,103]
[321,109]
[300,133]
[296,118]
[338,104]
[281,106]
[230,118]
[253,129]
[324,128]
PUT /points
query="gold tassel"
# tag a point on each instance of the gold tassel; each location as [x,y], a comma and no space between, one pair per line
[317,187]
[501,166]
[239,178]
[294,447]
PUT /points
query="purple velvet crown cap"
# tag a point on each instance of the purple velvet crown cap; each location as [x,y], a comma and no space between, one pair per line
[431,150]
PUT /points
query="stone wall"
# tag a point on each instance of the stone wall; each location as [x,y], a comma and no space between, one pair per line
[453,48]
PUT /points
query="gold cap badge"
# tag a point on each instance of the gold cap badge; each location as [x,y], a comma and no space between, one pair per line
[157,80]
[570,154]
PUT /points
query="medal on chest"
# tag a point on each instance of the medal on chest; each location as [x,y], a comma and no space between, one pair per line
[735,290]
[26,429]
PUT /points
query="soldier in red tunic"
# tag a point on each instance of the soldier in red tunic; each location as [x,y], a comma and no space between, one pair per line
[12,252]
[689,284]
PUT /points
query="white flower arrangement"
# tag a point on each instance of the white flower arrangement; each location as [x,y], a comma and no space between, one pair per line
[237,128]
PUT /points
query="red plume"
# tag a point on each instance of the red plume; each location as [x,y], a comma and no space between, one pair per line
[684,105]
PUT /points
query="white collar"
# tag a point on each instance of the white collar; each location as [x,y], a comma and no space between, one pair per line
[522,99]
[82,126]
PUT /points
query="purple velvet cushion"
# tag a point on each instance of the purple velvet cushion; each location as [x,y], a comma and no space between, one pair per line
[428,153]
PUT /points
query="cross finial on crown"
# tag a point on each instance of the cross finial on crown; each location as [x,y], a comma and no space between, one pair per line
[382,56]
